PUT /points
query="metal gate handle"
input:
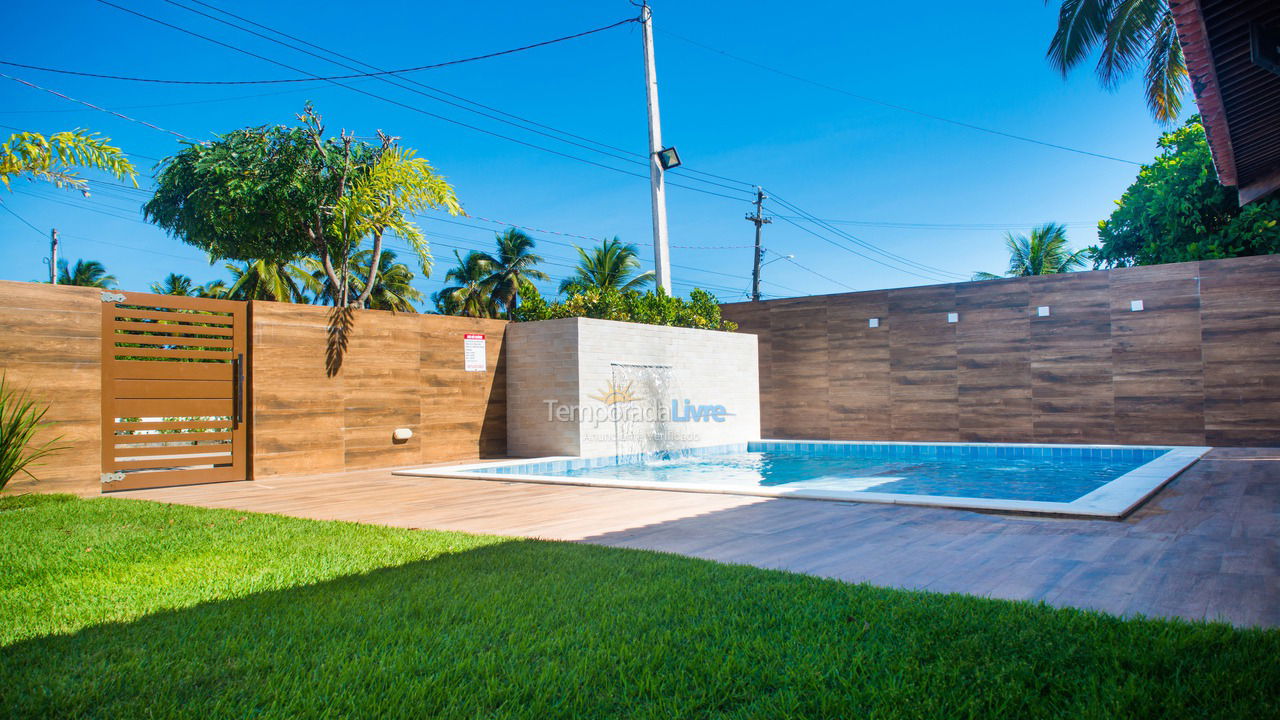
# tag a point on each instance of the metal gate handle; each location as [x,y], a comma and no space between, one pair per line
[238,403]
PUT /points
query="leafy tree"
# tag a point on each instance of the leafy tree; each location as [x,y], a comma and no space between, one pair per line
[277,194]
[470,294]
[1128,34]
[393,288]
[1044,253]
[1178,211]
[263,280]
[608,266]
[52,158]
[513,269]
[86,273]
[701,310]
[175,284]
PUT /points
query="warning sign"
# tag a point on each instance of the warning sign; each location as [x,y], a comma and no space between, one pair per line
[473,354]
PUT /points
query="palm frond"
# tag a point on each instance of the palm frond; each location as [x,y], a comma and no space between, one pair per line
[1129,32]
[1082,24]
[1166,73]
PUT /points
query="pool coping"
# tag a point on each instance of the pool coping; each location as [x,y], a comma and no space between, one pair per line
[1114,500]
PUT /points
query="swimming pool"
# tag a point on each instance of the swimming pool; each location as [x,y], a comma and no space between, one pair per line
[1089,480]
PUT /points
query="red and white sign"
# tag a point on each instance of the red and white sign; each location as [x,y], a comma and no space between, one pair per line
[473,352]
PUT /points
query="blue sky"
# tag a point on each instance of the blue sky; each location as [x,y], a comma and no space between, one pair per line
[928,191]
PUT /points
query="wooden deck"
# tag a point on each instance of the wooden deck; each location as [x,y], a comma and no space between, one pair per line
[1207,546]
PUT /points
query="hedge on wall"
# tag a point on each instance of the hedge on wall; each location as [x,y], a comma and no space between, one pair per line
[701,310]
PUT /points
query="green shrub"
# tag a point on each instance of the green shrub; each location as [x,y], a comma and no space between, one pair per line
[700,311]
[20,419]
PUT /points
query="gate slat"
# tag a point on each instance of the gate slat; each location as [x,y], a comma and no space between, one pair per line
[150,370]
[170,437]
[178,451]
[132,352]
[166,464]
[166,478]
[172,425]
[175,389]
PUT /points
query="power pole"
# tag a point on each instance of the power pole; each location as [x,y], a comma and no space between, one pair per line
[661,253]
[760,221]
[53,256]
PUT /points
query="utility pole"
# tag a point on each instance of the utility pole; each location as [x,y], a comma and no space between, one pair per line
[661,252]
[53,256]
[760,221]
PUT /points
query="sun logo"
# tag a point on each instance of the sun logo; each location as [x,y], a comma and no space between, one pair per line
[615,394]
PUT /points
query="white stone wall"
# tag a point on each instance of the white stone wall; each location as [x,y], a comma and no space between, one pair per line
[571,363]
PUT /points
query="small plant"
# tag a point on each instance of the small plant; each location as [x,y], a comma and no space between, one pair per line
[20,419]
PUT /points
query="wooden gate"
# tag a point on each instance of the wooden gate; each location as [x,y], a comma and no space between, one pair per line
[173,390]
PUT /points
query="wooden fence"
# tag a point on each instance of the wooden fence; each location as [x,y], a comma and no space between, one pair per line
[317,405]
[1047,359]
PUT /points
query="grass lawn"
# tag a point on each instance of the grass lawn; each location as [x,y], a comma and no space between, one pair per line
[124,608]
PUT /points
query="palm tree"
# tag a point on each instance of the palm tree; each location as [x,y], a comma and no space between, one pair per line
[212,289]
[513,268]
[52,158]
[1044,253]
[393,288]
[609,266]
[86,273]
[1128,34]
[262,280]
[469,295]
[175,284]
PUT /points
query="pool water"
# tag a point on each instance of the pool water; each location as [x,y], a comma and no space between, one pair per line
[1028,473]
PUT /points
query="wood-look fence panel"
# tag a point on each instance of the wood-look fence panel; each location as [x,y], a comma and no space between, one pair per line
[173,391]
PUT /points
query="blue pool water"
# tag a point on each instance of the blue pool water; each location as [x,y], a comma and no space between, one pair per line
[1047,474]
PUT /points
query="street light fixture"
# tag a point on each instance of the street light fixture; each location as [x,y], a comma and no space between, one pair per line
[668,158]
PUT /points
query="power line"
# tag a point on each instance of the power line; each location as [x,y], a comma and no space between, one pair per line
[815,272]
[24,221]
[95,107]
[940,226]
[858,241]
[895,106]
[846,248]
[434,94]
[486,56]
[520,121]
[410,107]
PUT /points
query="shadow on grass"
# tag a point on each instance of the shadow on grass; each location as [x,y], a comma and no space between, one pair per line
[539,630]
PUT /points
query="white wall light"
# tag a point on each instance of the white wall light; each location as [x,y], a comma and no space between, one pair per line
[401,434]
[1135,306]
[953,317]
[873,322]
[1043,311]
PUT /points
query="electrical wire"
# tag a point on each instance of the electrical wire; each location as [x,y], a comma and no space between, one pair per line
[96,107]
[862,243]
[895,106]
[434,92]
[486,56]
[24,221]
[415,108]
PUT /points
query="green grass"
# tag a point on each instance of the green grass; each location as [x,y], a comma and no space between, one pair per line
[121,608]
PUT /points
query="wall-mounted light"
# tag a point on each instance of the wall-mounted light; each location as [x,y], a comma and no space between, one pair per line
[1135,306]
[953,317]
[873,322]
[668,158]
[1042,311]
